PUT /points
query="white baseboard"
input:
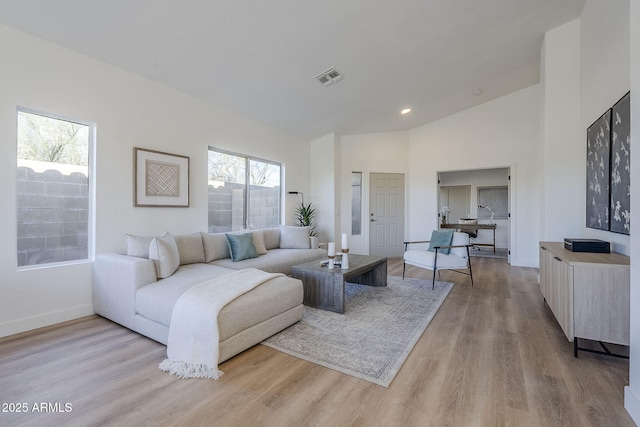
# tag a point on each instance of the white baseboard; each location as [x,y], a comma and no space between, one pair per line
[525,263]
[632,404]
[35,322]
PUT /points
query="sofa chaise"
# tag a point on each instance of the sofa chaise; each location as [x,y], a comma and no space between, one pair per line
[139,290]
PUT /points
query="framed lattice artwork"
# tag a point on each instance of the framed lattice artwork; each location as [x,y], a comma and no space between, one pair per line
[160,179]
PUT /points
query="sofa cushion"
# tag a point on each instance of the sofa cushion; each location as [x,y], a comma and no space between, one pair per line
[241,246]
[271,237]
[294,237]
[258,242]
[426,259]
[138,246]
[460,239]
[190,248]
[275,260]
[215,246]
[156,301]
[164,253]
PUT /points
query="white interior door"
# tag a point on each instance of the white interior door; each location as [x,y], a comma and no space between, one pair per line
[386,214]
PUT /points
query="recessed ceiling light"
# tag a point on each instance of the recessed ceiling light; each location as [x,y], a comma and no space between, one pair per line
[405,111]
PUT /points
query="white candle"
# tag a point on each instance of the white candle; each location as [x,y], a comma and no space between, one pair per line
[345,245]
[331,249]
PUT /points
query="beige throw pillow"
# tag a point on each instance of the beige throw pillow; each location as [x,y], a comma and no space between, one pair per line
[271,238]
[215,246]
[190,248]
[258,242]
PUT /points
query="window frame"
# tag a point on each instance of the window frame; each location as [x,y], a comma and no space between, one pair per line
[353,210]
[91,189]
[247,182]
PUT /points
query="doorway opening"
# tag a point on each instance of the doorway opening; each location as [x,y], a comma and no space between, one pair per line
[482,195]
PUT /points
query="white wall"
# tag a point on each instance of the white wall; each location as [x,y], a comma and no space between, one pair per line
[374,152]
[129,111]
[500,133]
[560,134]
[632,392]
[324,196]
[610,66]
[605,78]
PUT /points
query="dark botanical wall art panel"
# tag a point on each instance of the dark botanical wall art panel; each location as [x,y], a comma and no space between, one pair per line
[598,155]
[620,215]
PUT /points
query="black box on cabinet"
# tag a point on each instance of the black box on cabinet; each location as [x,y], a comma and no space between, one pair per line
[587,245]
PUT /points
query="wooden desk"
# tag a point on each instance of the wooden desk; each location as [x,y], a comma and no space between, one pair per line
[472,228]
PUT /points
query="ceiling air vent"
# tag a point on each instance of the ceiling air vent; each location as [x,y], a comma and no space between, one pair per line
[329,77]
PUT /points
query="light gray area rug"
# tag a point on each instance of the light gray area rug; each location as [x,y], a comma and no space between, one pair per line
[373,338]
[501,253]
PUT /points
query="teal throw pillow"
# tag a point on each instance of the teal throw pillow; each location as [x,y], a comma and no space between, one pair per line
[241,246]
[441,238]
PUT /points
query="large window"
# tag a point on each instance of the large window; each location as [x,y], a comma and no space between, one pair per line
[244,192]
[52,189]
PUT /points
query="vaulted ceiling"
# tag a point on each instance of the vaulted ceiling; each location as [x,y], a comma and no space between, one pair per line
[260,58]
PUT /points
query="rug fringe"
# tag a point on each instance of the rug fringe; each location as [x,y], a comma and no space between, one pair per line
[190,370]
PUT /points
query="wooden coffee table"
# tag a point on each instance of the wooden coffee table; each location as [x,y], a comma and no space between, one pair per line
[324,288]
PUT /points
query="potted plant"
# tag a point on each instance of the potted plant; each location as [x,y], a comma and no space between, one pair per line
[305,215]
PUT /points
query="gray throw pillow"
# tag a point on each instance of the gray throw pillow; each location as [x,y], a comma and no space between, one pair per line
[441,238]
[241,246]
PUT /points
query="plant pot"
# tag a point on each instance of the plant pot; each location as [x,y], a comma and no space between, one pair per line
[315,244]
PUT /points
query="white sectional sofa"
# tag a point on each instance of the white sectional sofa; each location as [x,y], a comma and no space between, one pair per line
[138,290]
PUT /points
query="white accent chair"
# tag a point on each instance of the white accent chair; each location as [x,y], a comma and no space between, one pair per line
[457,259]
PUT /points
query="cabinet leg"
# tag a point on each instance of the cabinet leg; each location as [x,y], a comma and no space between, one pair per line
[605,351]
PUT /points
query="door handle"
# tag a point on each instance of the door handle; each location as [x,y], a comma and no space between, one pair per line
[373,220]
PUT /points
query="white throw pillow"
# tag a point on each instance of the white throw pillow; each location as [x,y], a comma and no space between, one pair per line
[294,237]
[138,246]
[164,253]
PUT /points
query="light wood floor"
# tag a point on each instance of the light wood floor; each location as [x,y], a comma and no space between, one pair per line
[492,356]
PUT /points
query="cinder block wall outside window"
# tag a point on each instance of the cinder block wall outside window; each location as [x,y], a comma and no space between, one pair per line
[52,215]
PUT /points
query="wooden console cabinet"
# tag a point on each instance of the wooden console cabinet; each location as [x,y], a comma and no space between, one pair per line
[587,292]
